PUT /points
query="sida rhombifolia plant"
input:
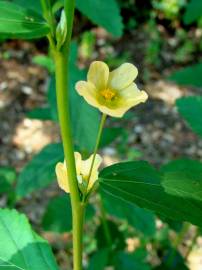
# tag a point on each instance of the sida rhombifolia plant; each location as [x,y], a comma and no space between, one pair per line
[113,93]
[173,192]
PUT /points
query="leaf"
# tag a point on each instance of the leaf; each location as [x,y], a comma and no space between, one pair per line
[52,99]
[40,171]
[8,173]
[43,113]
[141,219]
[19,22]
[31,4]
[58,217]
[99,12]
[20,247]
[105,13]
[110,134]
[7,178]
[125,261]
[190,108]
[190,75]
[100,259]
[176,195]
[193,11]
[117,241]
[182,165]
[45,62]
[172,260]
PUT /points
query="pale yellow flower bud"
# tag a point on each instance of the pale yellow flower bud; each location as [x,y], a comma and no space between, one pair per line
[82,170]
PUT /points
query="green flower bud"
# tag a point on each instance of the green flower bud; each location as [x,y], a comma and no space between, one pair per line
[61,30]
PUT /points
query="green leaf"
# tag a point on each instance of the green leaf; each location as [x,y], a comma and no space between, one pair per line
[99,12]
[31,4]
[176,195]
[125,261]
[7,178]
[58,217]
[45,62]
[40,171]
[189,170]
[19,22]
[190,75]
[193,11]
[190,108]
[99,259]
[117,240]
[181,165]
[8,173]
[20,247]
[172,260]
[105,13]
[141,219]
[110,134]
[52,99]
[40,113]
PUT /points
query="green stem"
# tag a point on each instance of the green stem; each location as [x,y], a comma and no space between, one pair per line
[104,116]
[61,59]
[61,74]
[179,239]
[64,118]
[78,223]
[104,223]
[65,125]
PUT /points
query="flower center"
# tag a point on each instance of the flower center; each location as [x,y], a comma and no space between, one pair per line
[108,94]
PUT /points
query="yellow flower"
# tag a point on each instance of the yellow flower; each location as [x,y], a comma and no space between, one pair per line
[82,170]
[113,93]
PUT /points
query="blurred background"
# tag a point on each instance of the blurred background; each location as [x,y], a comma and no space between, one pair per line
[163,39]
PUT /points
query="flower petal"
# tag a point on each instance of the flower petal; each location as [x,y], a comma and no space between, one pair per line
[132,96]
[123,76]
[88,91]
[78,162]
[128,97]
[86,165]
[119,112]
[94,174]
[98,74]
[61,172]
